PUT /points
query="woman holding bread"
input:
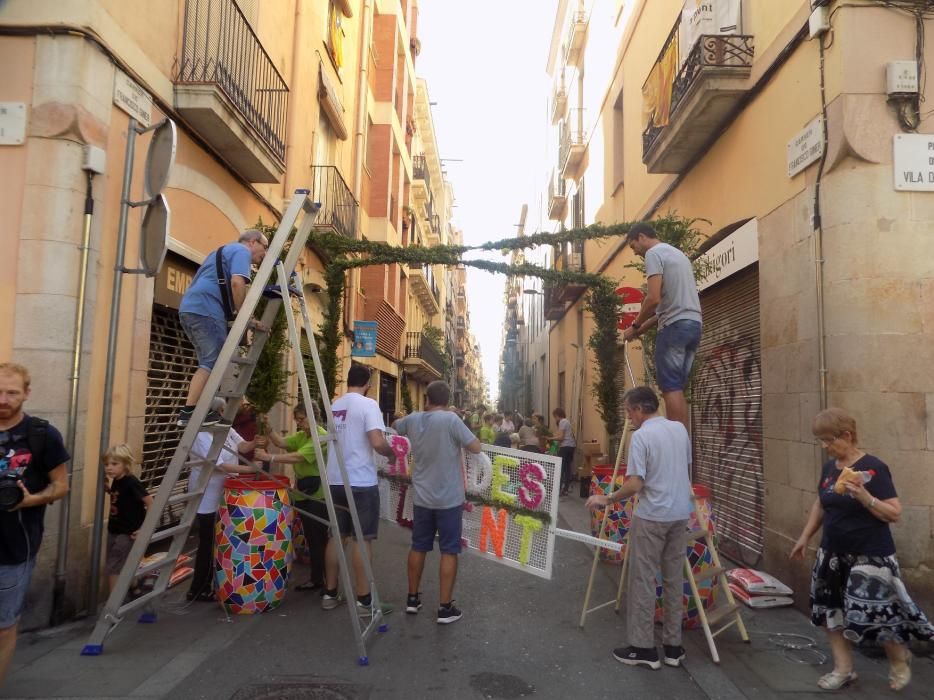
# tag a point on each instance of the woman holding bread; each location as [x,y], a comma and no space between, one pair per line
[856,587]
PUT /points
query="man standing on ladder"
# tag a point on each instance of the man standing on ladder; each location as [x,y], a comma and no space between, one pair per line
[657,470]
[671,302]
[359,428]
[212,300]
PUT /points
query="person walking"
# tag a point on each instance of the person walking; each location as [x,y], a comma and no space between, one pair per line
[658,470]
[673,304]
[437,437]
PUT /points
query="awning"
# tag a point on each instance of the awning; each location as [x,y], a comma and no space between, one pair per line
[331,104]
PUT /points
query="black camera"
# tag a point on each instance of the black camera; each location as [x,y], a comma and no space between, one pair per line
[10,492]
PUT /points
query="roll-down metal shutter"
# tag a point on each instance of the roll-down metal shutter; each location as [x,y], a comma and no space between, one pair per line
[172,361]
[726,412]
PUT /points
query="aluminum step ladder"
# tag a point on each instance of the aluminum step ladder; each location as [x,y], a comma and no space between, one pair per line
[229,379]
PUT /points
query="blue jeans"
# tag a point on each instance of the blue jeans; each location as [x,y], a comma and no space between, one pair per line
[675,348]
[207,334]
[14,582]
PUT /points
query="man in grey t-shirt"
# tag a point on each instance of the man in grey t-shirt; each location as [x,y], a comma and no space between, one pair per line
[437,436]
[671,302]
[658,470]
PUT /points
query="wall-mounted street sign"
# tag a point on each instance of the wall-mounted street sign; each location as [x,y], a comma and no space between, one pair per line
[12,123]
[132,98]
[914,162]
[806,147]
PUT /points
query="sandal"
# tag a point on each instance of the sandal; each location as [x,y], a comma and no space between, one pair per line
[900,677]
[836,680]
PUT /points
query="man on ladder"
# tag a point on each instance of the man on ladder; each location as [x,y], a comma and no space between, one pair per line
[659,471]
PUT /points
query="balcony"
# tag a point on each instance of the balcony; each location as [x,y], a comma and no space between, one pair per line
[421,180]
[559,104]
[571,143]
[553,306]
[229,90]
[422,281]
[571,259]
[704,93]
[577,37]
[557,199]
[338,213]
[459,358]
[422,361]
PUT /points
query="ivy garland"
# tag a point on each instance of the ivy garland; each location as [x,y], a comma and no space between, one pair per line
[602,301]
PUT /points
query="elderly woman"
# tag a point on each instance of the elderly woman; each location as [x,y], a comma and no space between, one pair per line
[856,587]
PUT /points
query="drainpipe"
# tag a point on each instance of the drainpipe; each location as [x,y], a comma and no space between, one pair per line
[58,591]
[288,182]
[819,247]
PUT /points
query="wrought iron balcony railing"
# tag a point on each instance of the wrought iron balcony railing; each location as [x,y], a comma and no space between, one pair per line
[338,206]
[420,170]
[571,141]
[417,345]
[219,47]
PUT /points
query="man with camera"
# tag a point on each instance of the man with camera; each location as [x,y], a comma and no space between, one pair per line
[32,475]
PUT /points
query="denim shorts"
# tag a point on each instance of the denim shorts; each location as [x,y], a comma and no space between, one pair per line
[207,334]
[14,582]
[675,348]
[366,498]
[447,522]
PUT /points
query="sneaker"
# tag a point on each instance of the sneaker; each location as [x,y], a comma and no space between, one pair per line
[413,604]
[184,416]
[636,656]
[329,602]
[216,419]
[449,613]
[367,610]
[673,655]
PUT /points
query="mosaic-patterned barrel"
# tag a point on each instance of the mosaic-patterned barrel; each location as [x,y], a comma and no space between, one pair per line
[619,515]
[699,555]
[253,540]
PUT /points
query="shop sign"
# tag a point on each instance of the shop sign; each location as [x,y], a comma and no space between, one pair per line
[132,98]
[914,162]
[734,253]
[173,280]
[806,147]
[364,339]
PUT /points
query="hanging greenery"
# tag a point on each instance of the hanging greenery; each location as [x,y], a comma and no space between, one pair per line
[405,394]
[270,378]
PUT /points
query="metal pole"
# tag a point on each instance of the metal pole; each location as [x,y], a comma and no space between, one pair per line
[97,533]
[58,592]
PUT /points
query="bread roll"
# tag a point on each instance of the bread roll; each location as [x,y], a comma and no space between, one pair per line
[846,474]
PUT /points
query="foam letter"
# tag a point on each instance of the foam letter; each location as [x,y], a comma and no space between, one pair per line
[493,528]
[529,527]
[400,446]
[479,472]
[501,478]
[531,485]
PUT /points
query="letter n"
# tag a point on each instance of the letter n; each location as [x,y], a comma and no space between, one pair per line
[493,529]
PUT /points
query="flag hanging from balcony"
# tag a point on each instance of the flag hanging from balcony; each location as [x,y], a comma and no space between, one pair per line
[656,93]
[700,17]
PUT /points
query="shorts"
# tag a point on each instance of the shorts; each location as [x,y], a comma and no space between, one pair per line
[14,582]
[207,334]
[366,498]
[118,549]
[447,522]
[675,348]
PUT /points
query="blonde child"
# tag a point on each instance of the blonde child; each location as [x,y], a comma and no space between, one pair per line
[129,502]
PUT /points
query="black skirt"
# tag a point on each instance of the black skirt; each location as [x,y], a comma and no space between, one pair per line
[865,598]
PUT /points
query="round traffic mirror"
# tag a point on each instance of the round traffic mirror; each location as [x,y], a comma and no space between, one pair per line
[160,157]
[154,235]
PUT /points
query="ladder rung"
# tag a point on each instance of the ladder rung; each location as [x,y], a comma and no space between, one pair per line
[153,565]
[714,633]
[229,394]
[170,532]
[695,535]
[710,573]
[187,496]
[139,602]
[721,612]
[243,361]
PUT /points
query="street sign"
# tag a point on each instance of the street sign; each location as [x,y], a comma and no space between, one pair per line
[132,98]
[631,299]
[806,147]
[914,162]
[154,235]
[160,157]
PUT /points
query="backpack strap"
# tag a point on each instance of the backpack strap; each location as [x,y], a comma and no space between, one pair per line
[36,433]
[223,282]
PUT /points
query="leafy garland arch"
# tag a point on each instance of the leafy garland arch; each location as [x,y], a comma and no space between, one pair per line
[602,301]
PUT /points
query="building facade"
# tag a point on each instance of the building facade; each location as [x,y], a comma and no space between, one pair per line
[808,178]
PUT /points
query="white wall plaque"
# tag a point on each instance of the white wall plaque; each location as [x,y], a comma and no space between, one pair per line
[914,162]
[132,98]
[12,123]
[806,147]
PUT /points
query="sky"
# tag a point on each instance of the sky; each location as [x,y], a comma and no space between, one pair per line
[484,62]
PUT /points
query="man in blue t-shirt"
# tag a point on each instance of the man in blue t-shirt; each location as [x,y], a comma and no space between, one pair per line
[210,303]
[672,302]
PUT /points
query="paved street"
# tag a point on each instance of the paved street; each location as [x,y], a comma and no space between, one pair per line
[519,638]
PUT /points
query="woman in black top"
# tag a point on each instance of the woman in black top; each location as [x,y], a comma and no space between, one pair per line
[856,587]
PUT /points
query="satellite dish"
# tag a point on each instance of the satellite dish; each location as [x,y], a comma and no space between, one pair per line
[154,235]
[160,157]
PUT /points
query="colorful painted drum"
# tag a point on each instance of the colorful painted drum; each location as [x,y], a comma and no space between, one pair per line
[700,558]
[619,515]
[253,540]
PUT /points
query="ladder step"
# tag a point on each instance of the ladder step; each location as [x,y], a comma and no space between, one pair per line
[229,394]
[696,535]
[170,532]
[185,497]
[139,602]
[711,573]
[721,612]
[243,361]
[153,565]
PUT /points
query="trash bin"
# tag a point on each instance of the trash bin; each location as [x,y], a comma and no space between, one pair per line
[700,558]
[253,539]
[619,514]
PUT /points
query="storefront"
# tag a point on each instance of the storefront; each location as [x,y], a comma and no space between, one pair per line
[726,397]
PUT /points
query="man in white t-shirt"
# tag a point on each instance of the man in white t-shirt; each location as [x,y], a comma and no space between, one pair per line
[658,470]
[360,432]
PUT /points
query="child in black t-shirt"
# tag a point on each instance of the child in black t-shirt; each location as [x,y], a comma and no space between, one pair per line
[129,502]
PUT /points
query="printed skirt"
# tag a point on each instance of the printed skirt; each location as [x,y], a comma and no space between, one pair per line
[865,598]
